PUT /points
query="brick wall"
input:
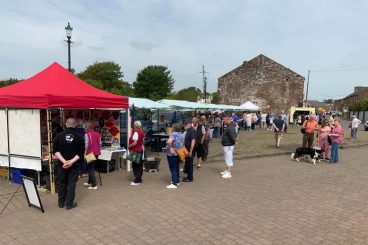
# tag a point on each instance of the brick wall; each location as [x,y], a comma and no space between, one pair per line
[264,82]
[360,94]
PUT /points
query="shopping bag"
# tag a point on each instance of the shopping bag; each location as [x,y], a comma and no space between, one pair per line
[134,157]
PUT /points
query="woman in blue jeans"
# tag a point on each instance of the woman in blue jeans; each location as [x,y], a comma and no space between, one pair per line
[174,143]
[336,139]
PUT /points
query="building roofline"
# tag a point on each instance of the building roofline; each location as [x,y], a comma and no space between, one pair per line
[261,56]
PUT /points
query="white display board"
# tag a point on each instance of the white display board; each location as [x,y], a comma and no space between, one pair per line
[22,162]
[3,133]
[31,193]
[4,161]
[25,132]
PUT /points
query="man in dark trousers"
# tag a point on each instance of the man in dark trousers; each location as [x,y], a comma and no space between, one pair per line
[229,139]
[278,128]
[202,141]
[189,142]
[68,147]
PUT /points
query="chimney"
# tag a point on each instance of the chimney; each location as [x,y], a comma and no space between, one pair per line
[359,88]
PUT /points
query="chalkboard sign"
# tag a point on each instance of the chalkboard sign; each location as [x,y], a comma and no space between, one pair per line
[30,189]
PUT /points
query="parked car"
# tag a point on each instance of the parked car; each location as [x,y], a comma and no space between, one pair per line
[336,113]
[366,126]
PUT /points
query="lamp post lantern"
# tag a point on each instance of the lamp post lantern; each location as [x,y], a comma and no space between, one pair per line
[68,30]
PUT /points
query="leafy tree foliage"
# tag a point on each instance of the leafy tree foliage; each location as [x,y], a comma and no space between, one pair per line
[328,101]
[359,106]
[10,81]
[94,83]
[108,73]
[127,89]
[189,94]
[107,76]
[153,82]
[215,98]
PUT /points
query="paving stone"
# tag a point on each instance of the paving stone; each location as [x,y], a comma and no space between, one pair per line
[268,201]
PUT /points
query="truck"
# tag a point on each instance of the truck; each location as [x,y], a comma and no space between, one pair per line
[301,111]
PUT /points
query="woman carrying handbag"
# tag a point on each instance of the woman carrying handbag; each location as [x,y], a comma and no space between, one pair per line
[92,141]
[135,146]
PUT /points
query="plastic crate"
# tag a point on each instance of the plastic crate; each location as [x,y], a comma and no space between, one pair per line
[152,164]
[16,173]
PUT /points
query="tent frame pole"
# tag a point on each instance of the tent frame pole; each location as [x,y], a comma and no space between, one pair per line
[128,163]
[8,133]
[49,139]
[158,131]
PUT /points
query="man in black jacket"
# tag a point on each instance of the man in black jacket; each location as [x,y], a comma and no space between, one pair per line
[202,141]
[189,143]
[229,139]
[68,147]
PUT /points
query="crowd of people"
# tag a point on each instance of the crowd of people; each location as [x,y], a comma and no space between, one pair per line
[72,145]
[195,139]
[329,134]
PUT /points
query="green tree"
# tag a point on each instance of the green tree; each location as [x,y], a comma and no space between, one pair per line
[356,106]
[108,73]
[328,101]
[94,83]
[364,105]
[10,81]
[154,82]
[171,96]
[215,98]
[189,94]
[127,89]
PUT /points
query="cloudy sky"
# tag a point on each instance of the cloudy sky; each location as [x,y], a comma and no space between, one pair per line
[328,37]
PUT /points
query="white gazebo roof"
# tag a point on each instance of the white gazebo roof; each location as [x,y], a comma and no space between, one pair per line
[249,106]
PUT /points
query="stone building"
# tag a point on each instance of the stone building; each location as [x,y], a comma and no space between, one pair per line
[360,93]
[317,104]
[264,82]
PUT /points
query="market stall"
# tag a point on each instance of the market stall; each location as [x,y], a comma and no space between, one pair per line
[150,125]
[249,106]
[187,105]
[34,110]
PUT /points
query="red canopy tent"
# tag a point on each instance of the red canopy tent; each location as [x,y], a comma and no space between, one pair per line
[56,87]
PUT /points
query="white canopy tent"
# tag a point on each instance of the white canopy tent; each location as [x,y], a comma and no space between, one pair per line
[147,104]
[183,104]
[249,106]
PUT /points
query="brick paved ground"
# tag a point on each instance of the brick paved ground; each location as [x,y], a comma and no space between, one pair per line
[270,200]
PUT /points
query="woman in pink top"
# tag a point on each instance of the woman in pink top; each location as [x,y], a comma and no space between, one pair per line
[323,133]
[336,138]
[92,141]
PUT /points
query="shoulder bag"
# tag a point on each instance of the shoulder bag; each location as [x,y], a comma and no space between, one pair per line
[91,156]
[182,153]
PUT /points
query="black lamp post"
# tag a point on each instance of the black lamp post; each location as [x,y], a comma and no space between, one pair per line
[68,30]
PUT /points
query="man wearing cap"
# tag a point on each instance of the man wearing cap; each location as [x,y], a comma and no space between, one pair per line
[69,149]
[355,122]
[189,143]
